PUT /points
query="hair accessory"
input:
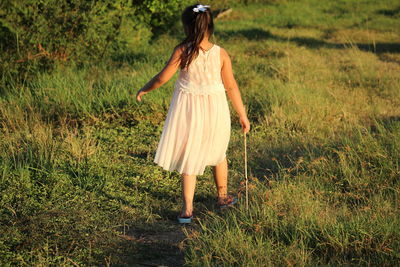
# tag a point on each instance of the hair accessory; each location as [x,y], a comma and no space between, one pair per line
[199,8]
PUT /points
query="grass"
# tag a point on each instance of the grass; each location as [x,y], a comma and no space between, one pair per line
[320,82]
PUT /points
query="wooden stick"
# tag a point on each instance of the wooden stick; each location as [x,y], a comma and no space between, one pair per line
[245,172]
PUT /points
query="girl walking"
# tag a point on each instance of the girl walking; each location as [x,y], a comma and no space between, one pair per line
[197,128]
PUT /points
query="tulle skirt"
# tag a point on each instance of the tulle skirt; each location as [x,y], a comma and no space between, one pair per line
[195,134]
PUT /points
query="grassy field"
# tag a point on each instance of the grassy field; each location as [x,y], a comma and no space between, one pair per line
[321,82]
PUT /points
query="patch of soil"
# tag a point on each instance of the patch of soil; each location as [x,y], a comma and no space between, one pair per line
[159,247]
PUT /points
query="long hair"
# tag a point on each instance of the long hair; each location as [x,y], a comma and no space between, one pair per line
[196,25]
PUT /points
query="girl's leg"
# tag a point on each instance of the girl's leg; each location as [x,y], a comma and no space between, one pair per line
[188,186]
[220,172]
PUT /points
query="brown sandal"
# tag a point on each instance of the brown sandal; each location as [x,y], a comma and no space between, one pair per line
[226,201]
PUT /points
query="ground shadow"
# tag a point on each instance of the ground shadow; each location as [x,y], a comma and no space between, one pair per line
[255,34]
[389,12]
[250,34]
[152,247]
[387,123]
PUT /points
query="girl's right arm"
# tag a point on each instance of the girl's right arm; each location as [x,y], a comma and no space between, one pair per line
[232,90]
[163,76]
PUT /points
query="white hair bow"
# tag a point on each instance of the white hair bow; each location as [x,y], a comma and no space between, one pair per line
[200,8]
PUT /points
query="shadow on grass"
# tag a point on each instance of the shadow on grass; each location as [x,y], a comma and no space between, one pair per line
[253,34]
[313,43]
[389,12]
[152,247]
[386,123]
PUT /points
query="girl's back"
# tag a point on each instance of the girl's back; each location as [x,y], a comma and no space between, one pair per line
[203,75]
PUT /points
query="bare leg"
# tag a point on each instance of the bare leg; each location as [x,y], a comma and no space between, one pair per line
[220,172]
[188,186]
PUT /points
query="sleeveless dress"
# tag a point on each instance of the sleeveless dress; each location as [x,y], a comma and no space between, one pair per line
[197,128]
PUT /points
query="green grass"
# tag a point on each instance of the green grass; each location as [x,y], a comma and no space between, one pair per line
[321,85]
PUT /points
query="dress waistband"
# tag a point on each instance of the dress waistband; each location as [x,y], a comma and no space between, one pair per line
[199,89]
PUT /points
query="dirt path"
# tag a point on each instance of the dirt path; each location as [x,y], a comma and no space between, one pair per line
[159,247]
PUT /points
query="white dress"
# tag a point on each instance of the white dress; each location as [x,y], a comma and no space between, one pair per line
[197,128]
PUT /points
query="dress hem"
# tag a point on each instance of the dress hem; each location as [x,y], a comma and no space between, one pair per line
[176,169]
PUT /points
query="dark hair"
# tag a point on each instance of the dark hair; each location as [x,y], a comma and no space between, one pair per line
[196,25]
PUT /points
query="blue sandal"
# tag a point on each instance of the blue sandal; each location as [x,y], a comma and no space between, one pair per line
[185,219]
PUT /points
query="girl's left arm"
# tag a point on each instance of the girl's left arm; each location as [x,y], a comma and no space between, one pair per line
[163,76]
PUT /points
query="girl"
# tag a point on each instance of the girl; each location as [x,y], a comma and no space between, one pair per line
[197,127]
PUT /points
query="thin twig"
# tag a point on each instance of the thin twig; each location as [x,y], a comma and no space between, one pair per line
[245,171]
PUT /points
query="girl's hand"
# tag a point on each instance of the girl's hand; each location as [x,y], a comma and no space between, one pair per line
[244,121]
[139,95]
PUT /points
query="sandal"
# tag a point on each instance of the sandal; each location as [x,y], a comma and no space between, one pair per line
[227,202]
[185,219]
